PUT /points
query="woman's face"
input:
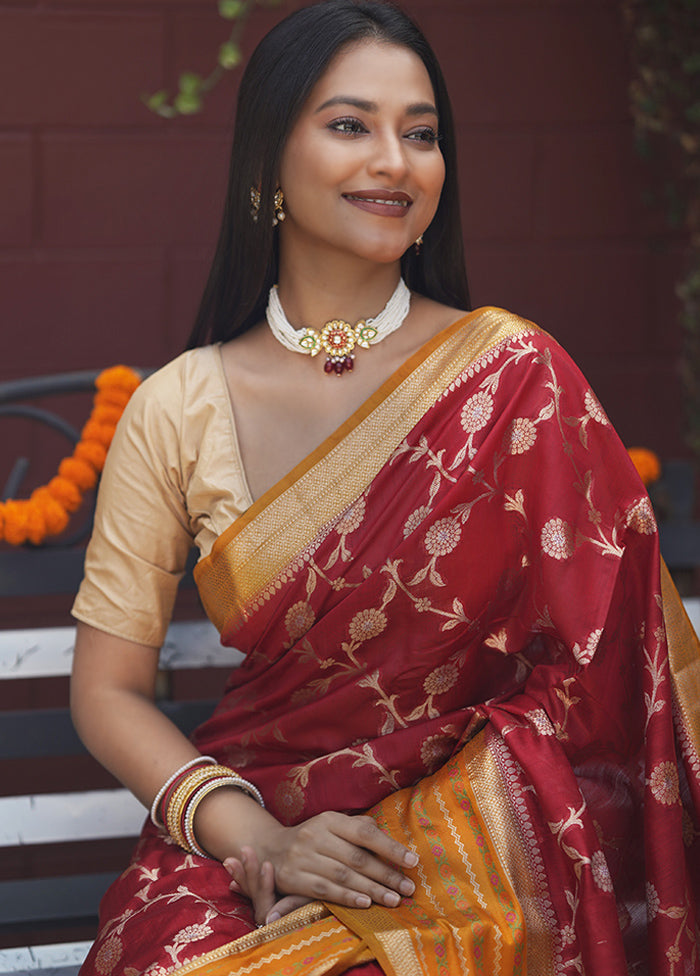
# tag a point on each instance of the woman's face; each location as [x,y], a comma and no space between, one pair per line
[362,170]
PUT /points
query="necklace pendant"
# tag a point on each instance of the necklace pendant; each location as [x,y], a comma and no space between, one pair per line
[339,365]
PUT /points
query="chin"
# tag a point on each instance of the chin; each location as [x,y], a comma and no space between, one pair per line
[384,253]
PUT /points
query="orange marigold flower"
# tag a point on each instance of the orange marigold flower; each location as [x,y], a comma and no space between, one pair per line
[119,376]
[46,512]
[79,472]
[16,522]
[54,513]
[102,433]
[107,414]
[114,397]
[92,453]
[36,524]
[647,464]
[65,492]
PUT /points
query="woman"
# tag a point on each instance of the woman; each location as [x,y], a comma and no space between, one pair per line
[420,528]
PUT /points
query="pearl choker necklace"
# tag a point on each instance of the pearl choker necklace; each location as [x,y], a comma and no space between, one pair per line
[337,337]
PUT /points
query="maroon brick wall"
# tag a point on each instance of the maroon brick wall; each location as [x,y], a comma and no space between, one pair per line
[108,215]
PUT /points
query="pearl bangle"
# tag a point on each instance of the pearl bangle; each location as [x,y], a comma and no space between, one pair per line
[207,760]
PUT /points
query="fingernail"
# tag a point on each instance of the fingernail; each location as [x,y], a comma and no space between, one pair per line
[272,917]
[391,898]
[410,859]
[363,901]
[229,866]
[407,887]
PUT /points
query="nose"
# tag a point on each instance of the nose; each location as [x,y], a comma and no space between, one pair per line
[389,157]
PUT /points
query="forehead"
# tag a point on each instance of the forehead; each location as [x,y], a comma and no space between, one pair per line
[377,71]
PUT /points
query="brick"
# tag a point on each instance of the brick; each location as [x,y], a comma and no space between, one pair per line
[85,69]
[590,184]
[119,190]
[16,178]
[533,65]
[81,311]
[496,177]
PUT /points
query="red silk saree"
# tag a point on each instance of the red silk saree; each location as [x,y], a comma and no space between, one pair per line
[453,615]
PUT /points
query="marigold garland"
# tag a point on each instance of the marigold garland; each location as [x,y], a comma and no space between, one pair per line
[647,464]
[47,511]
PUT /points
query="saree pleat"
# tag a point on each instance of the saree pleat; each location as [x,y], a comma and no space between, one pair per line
[453,617]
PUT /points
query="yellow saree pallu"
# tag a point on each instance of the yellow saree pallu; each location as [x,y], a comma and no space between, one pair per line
[452,617]
[463,918]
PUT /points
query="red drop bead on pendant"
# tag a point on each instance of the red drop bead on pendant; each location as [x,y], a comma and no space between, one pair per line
[338,366]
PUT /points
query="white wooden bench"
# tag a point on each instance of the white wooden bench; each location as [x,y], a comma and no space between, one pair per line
[49,820]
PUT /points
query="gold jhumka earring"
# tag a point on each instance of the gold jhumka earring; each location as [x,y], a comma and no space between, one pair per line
[279,213]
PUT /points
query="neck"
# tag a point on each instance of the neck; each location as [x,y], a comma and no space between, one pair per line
[312,297]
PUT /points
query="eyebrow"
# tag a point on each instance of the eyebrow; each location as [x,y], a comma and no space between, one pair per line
[419,108]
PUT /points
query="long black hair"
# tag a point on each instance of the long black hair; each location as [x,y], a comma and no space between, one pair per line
[279,77]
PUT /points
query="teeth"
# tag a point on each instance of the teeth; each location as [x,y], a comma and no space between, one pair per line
[391,203]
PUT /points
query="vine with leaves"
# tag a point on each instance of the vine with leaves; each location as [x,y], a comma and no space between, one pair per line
[192,87]
[665,99]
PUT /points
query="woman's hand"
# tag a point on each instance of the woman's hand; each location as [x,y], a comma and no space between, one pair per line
[337,858]
[257,882]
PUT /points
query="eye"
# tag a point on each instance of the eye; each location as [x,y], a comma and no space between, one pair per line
[347,126]
[425,135]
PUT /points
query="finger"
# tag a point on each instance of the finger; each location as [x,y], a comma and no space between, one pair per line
[284,906]
[364,832]
[365,863]
[260,881]
[327,879]
[238,883]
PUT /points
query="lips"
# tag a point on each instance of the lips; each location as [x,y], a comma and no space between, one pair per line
[385,203]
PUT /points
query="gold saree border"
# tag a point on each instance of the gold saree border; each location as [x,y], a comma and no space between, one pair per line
[266,539]
[505,832]
[684,660]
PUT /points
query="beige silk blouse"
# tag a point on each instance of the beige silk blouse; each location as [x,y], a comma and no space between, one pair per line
[173,478]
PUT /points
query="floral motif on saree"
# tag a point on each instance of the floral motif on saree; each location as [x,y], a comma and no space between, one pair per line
[452,614]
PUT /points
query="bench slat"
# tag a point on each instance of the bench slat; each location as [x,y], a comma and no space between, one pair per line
[48,652]
[52,900]
[49,818]
[57,958]
[28,734]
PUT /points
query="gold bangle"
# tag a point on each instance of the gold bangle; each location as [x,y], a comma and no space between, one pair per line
[178,801]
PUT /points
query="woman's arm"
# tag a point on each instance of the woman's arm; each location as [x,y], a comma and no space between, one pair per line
[343,859]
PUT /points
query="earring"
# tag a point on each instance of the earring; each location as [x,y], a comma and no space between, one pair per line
[254,203]
[417,244]
[279,213]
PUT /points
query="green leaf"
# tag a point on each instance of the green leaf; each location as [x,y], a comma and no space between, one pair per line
[190,83]
[230,9]
[229,55]
[187,103]
[157,100]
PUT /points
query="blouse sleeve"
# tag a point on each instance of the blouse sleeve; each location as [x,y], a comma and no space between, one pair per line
[141,534]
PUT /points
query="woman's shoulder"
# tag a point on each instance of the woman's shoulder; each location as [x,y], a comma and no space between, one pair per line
[161,407]
[195,365]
